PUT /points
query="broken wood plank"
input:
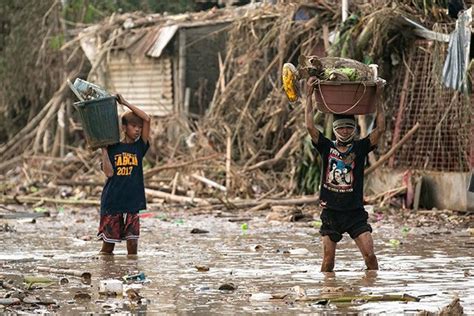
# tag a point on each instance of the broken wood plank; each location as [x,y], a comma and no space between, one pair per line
[209,182]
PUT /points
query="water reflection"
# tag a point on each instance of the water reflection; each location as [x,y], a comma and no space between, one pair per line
[168,254]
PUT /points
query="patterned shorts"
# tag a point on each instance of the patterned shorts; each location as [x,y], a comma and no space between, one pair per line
[115,228]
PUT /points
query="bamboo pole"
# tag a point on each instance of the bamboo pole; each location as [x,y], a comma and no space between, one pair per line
[365,298]
[239,204]
[279,155]
[209,182]
[82,274]
[175,182]
[10,199]
[393,149]
[176,198]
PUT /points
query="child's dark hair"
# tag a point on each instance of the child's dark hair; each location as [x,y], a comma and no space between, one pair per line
[131,118]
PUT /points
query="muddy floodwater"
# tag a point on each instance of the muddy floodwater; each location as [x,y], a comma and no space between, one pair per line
[265,265]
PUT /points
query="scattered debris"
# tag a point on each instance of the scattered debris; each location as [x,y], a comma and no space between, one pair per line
[202,268]
[199,231]
[227,287]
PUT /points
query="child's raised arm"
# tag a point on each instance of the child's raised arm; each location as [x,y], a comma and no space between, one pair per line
[145,117]
[379,130]
[309,113]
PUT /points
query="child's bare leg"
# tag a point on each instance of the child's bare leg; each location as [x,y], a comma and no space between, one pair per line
[107,248]
[329,254]
[132,246]
[366,246]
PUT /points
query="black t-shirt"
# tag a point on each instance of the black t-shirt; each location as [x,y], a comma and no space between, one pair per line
[124,192]
[342,178]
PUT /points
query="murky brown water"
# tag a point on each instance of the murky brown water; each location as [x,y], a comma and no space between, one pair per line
[435,264]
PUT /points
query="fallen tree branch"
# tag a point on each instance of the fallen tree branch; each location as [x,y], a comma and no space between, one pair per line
[363,298]
[209,182]
[386,195]
[259,207]
[393,149]
[176,198]
[78,183]
[239,204]
[7,164]
[156,170]
[84,275]
[10,199]
[279,155]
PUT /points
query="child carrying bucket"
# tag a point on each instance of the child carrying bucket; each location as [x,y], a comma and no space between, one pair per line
[123,195]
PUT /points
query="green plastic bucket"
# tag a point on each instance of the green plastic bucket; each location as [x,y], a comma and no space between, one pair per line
[99,121]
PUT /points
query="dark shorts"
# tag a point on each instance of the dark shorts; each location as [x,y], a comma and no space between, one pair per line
[115,228]
[335,223]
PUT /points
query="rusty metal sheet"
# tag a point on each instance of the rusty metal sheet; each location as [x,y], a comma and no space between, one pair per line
[165,35]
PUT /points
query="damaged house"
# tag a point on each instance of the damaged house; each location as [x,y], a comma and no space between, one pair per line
[167,64]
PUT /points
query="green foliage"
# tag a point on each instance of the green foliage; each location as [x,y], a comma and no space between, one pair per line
[90,11]
[56,42]
[31,35]
[29,67]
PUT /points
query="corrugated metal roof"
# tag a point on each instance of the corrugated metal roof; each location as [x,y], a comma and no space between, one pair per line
[166,33]
[145,82]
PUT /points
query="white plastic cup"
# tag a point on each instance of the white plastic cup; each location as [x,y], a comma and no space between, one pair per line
[108,286]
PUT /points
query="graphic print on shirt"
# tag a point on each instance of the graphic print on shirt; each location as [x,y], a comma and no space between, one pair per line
[125,163]
[339,173]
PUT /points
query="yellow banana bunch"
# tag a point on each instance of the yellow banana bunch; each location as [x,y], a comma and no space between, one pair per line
[289,78]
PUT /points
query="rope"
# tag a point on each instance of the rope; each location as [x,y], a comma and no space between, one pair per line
[349,109]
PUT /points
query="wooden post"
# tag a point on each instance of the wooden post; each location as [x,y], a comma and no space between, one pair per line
[175,182]
[187,100]
[326,38]
[182,69]
[62,129]
[228,161]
